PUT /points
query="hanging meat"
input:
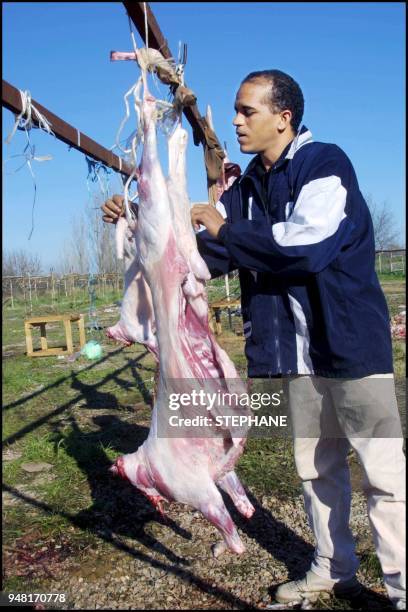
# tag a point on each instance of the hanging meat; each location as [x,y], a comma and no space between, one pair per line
[165,307]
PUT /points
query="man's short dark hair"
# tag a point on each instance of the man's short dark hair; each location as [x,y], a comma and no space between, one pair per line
[285,93]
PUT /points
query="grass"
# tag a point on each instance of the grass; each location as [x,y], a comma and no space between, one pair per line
[391,276]
[80,416]
[268,467]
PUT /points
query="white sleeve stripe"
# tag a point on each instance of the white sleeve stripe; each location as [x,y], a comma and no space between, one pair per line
[221,209]
[317,214]
[304,362]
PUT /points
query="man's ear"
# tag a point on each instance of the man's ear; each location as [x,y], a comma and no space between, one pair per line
[284,120]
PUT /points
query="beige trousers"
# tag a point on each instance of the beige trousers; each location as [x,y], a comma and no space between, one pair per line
[349,410]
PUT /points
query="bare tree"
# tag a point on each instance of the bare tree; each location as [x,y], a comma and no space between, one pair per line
[385,232]
[74,256]
[20,262]
[101,240]
[91,245]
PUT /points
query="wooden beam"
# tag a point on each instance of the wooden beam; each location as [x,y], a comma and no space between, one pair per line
[156,40]
[136,12]
[65,132]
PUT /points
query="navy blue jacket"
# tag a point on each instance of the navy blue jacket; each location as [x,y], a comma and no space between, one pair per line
[302,238]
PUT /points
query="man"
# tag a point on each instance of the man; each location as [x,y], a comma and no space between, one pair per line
[298,229]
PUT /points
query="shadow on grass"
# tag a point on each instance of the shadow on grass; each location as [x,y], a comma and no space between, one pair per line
[110,536]
[86,391]
[62,380]
[118,511]
[117,506]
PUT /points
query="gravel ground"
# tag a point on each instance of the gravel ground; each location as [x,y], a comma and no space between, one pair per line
[177,571]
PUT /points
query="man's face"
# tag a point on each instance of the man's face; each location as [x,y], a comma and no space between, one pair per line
[257,127]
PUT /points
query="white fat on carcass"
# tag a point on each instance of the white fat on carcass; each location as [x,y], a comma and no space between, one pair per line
[166,467]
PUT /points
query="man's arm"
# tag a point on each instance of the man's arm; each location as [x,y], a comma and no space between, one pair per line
[318,228]
[214,253]
[211,250]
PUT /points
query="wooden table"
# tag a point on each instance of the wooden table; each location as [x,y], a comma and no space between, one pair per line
[41,322]
[215,309]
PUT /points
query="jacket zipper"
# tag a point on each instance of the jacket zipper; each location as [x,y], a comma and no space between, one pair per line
[264,189]
[276,327]
[265,182]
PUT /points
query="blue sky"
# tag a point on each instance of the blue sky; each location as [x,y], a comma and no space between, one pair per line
[347,57]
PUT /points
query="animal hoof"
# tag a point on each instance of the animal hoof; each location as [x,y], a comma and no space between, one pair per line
[218,548]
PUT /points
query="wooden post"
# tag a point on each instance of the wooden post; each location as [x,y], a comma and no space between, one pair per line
[73,289]
[29,339]
[379,258]
[44,345]
[29,292]
[218,327]
[11,294]
[81,327]
[68,334]
[65,284]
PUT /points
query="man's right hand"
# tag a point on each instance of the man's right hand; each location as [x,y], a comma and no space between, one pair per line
[113,209]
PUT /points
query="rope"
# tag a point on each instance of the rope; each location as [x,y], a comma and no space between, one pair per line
[29,150]
[24,119]
[135,91]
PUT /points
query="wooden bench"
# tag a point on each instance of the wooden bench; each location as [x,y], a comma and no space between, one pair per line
[41,323]
[215,309]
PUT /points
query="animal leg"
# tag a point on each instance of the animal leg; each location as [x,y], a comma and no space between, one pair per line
[215,511]
[231,485]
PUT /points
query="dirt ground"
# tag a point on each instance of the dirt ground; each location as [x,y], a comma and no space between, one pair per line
[70,527]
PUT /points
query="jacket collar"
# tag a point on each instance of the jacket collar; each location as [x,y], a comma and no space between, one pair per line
[304,136]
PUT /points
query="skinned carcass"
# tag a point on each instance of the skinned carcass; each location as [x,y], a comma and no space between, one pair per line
[136,322]
[184,469]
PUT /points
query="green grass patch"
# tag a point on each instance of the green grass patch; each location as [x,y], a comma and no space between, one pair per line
[391,276]
[267,467]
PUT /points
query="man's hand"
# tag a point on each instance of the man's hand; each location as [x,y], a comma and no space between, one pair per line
[113,209]
[207,215]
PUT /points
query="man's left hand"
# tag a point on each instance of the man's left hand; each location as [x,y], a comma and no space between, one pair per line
[207,215]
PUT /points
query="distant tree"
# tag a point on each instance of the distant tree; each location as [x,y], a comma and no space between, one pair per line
[74,256]
[91,244]
[102,247]
[385,232]
[19,262]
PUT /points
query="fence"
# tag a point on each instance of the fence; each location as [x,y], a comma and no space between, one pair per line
[390,261]
[33,289]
